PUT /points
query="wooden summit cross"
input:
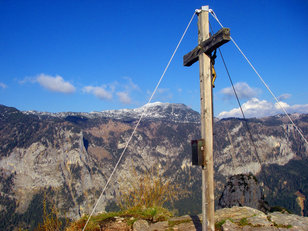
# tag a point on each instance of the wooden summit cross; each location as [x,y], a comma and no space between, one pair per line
[202,53]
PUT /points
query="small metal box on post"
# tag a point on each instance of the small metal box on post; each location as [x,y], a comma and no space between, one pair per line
[197,151]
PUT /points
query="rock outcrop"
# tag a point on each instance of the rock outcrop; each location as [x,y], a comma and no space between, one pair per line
[243,190]
[237,219]
[245,218]
[228,219]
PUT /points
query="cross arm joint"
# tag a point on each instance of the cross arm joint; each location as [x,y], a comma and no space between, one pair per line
[207,46]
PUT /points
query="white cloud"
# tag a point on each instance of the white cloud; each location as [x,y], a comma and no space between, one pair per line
[260,108]
[2,85]
[124,97]
[99,92]
[243,91]
[297,108]
[56,83]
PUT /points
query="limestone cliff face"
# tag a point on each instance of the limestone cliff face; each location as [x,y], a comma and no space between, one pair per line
[274,142]
[71,155]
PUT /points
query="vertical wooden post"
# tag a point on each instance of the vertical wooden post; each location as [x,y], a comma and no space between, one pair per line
[206,99]
[206,46]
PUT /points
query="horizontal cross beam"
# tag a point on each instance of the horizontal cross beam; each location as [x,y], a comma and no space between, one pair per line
[207,46]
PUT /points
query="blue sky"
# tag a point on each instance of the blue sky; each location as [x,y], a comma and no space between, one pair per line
[101,55]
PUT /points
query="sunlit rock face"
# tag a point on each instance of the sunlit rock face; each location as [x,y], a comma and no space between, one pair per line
[69,156]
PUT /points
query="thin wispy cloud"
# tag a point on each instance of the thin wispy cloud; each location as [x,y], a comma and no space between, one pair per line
[243,91]
[162,94]
[100,92]
[284,96]
[3,85]
[260,108]
[124,97]
[28,80]
[163,90]
[126,89]
[130,85]
[121,89]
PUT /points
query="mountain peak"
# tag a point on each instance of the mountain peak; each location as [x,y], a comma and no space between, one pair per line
[157,110]
[154,104]
[165,105]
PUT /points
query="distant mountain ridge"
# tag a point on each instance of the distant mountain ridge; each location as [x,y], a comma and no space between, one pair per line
[157,110]
[69,156]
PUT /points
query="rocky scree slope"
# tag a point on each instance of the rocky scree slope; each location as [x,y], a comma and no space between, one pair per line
[69,156]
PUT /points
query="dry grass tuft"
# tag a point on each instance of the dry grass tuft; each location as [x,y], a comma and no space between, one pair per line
[147,190]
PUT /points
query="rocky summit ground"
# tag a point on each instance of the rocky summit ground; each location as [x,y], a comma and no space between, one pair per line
[228,219]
